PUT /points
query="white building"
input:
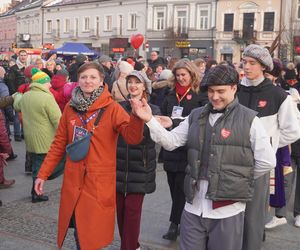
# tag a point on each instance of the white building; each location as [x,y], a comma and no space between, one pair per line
[180,28]
[102,25]
[29,24]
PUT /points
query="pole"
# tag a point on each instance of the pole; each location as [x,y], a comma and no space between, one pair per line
[146,25]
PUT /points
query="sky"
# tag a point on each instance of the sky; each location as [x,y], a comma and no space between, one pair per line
[2,2]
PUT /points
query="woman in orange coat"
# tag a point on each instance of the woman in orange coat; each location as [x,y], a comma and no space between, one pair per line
[88,194]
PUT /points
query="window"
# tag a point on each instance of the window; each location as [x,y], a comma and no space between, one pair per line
[86,24]
[97,26]
[132,21]
[182,21]
[203,19]
[298,10]
[269,21]
[49,26]
[228,22]
[67,26]
[76,25]
[120,25]
[58,27]
[159,18]
[108,23]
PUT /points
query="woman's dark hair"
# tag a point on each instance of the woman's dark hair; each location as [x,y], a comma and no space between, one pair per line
[91,65]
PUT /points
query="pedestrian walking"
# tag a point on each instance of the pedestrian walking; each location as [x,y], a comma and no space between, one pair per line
[88,195]
[178,104]
[227,148]
[136,169]
[41,115]
[276,111]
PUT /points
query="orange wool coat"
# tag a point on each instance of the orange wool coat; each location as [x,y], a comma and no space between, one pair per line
[89,186]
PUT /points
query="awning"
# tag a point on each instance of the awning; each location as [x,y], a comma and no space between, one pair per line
[74,49]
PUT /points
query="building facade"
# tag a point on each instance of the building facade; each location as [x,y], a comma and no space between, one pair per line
[8,27]
[291,40]
[105,26]
[241,23]
[29,25]
[179,28]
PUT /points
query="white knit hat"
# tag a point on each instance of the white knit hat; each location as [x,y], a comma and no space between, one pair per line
[125,67]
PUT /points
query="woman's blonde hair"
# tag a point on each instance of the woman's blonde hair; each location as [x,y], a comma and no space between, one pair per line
[290,66]
[191,68]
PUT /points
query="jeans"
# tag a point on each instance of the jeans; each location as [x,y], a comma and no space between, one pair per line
[17,125]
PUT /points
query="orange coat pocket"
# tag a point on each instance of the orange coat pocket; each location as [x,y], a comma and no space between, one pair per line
[105,185]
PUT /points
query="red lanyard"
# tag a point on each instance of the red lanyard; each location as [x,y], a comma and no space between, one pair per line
[180,99]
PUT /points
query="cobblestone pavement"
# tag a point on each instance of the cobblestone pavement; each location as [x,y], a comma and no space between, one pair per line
[27,221]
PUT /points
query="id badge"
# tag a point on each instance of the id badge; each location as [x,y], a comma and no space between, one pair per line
[78,133]
[177,112]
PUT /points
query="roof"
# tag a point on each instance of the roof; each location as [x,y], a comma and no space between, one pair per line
[69,2]
[15,8]
[31,4]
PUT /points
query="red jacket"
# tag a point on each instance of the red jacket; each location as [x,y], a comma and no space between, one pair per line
[58,82]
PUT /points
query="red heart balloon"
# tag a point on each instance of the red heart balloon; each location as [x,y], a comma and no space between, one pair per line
[136,40]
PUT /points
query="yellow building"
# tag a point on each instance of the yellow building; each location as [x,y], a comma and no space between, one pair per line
[240,23]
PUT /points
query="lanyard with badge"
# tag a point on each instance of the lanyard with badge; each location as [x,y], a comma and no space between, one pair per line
[178,110]
[80,132]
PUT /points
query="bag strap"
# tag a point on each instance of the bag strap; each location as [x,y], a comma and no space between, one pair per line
[100,113]
[125,98]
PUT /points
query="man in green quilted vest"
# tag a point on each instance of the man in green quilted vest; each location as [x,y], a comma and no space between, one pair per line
[227,149]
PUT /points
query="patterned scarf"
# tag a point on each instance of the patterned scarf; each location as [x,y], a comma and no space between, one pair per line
[81,103]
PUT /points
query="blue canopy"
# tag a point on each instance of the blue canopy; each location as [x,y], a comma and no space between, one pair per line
[74,49]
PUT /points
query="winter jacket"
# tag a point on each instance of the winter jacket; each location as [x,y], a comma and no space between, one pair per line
[14,77]
[7,111]
[230,159]
[158,61]
[160,90]
[41,115]
[136,164]
[176,160]
[119,90]
[275,110]
[89,186]
[73,71]
[58,82]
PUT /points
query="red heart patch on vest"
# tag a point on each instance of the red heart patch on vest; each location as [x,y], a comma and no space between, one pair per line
[225,133]
[189,97]
[262,104]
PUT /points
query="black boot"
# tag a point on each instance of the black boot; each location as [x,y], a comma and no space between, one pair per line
[37,198]
[172,232]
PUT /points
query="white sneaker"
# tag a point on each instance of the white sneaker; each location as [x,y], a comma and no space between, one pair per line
[276,222]
[297,221]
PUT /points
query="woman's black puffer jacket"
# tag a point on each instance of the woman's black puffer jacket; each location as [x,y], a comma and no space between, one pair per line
[136,164]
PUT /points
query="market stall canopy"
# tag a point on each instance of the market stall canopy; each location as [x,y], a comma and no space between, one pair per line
[74,49]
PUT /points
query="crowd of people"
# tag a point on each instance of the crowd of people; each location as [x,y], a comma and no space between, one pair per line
[229,136]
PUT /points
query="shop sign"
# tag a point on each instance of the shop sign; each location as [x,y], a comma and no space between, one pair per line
[182,44]
[118,50]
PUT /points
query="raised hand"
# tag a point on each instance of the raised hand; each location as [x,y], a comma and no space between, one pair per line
[141,109]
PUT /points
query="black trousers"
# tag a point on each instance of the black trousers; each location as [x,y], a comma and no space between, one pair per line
[176,184]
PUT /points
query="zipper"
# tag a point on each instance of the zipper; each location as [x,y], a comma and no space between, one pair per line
[144,156]
[250,100]
[126,169]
